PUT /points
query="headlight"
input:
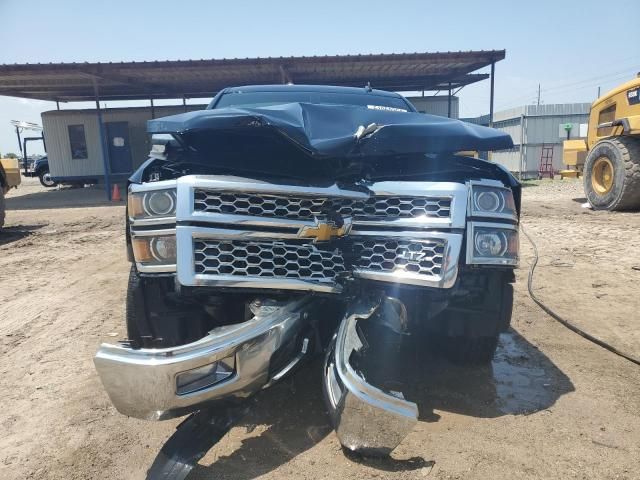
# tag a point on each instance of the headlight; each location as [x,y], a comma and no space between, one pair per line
[152,204]
[492,244]
[489,201]
[155,252]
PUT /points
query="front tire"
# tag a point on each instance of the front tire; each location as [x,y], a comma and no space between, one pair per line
[156,318]
[135,308]
[612,174]
[45,178]
[469,336]
[465,350]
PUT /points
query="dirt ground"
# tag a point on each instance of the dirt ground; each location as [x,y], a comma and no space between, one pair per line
[552,405]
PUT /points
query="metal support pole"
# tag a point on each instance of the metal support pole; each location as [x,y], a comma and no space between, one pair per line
[521,168]
[184,103]
[449,102]
[153,110]
[19,140]
[103,143]
[492,80]
[57,105]
[524,147]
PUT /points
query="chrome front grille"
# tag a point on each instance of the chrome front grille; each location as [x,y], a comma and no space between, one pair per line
[266,259]
[262,205]
[399,256]
[240,233]
[392,207]
[307,208]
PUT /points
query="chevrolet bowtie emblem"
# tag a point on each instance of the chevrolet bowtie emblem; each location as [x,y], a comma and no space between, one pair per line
[324,231]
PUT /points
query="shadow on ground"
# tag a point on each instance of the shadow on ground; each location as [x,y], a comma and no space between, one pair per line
[521,380]
[65,197]
[296,420]
[13,234]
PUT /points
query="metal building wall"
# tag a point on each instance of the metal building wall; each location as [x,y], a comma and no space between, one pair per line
[56,122]
[530,127]
[436,105]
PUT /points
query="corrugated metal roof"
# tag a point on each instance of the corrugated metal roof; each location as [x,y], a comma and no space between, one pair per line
[202,78]
[558,109]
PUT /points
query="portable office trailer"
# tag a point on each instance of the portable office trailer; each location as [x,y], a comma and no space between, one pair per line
[74,145]
[436,105]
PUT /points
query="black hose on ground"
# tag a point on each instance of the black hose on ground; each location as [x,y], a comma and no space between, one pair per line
[564,322]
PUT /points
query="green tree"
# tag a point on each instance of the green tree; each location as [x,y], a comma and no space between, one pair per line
[11,155]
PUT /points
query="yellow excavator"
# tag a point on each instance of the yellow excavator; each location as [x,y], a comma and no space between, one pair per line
[9,178]
[609,158]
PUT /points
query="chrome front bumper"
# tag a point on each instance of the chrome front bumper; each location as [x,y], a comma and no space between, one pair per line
[366,419]
[142,383]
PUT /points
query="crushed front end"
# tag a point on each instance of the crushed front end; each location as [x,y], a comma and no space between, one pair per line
[238,278]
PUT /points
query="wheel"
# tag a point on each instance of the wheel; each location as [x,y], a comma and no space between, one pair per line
[2,206]
[612,174]
[470,350]
[134,309]
[470,337]
[45,178]
[154,320]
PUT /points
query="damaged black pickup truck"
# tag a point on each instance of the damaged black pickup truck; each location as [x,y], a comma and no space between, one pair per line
[287,222]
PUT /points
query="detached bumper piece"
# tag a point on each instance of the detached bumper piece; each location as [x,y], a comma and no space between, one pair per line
[231,362]
[367,420]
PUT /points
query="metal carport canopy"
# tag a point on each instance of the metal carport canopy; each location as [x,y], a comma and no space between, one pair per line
[401,72]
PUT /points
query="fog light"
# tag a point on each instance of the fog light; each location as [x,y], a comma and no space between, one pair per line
[203,377]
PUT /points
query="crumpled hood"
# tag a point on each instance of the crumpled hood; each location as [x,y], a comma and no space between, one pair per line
[342,130]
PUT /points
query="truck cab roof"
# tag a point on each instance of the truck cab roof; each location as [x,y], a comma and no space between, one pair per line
[326,91]
[310,88]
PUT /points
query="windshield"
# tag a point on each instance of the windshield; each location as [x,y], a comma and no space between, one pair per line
[262,99]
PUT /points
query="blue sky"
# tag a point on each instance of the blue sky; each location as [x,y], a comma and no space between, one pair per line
[570,59]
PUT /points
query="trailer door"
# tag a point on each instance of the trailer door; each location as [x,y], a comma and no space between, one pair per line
[119,147]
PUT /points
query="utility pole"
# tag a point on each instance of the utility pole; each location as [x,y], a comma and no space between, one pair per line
[598,92]
[491,93]
[538,94]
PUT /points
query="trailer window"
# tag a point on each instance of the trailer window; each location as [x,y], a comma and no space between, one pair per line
[78,142]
